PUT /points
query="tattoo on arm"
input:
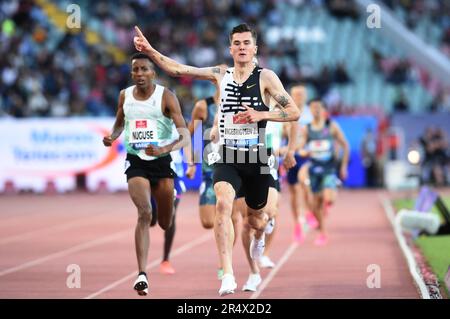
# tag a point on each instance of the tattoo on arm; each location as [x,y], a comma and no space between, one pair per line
[216,70]
[161,58]
[282,100]
[283,114]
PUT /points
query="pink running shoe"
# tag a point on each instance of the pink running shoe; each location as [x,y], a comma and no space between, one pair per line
[299,237]
[321,240]
[311,220]
[166,268]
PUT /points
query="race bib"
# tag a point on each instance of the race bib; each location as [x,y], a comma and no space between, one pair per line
[320,149]
[319,145]
[239,133]
[213,157]
[143,133]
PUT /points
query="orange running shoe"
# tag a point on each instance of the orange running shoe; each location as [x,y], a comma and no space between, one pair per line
[166,268]
[321,240]
[299,237]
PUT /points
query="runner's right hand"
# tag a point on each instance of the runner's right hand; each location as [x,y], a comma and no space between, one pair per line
[289,160]
[107,141]
[140,41]
[190,172]
[214,134]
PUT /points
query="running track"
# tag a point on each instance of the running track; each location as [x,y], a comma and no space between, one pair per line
[41,235]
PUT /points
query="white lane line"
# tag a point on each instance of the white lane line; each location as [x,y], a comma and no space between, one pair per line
[89,244]
[407,253]
[153,264]
[274,271]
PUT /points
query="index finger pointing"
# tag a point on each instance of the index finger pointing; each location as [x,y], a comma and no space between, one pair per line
[138,31]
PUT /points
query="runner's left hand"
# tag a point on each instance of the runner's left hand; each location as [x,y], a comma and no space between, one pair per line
[250,115]
[289,160]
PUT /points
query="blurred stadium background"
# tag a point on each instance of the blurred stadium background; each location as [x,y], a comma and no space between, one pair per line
[59,85]
[388,87]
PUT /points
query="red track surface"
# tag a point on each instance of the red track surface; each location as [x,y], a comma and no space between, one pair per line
[41,235]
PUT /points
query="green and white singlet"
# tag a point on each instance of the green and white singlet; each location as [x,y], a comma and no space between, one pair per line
[145,123]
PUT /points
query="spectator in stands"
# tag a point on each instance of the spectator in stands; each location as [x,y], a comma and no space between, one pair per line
[323,81]
[70,69]
[342,8]
[340,74]
[440,103]
[401,103]
[399,73]
[436,154]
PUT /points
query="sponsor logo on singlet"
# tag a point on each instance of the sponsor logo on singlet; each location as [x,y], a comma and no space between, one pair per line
[143,133]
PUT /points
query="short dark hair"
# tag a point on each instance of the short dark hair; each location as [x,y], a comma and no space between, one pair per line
[317,99]
[140,55]
[243,28]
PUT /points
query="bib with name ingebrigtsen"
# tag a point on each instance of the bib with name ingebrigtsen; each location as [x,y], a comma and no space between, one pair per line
[239,134]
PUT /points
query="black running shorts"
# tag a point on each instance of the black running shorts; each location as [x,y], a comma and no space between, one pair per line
[247,179]
[153,170]
[273,184]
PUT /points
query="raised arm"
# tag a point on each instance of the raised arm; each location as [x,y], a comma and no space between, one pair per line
[172,67]
[118,124]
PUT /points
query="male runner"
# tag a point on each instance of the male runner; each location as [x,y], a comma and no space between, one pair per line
[298,196]
[179,188]
[320,136]
[204,112]
[245,91]
[273,134]
[147,112]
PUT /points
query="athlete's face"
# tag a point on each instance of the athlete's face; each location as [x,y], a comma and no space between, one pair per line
[243,47]
[142,72]
[298,94]
[317,110]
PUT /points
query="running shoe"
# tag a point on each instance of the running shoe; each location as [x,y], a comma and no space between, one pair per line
[321,240]
[166,268]
[265,262]
[228,285]
[257,247]
[252,283]
[270,226]
[141,285]
[311,220]
[299,237]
